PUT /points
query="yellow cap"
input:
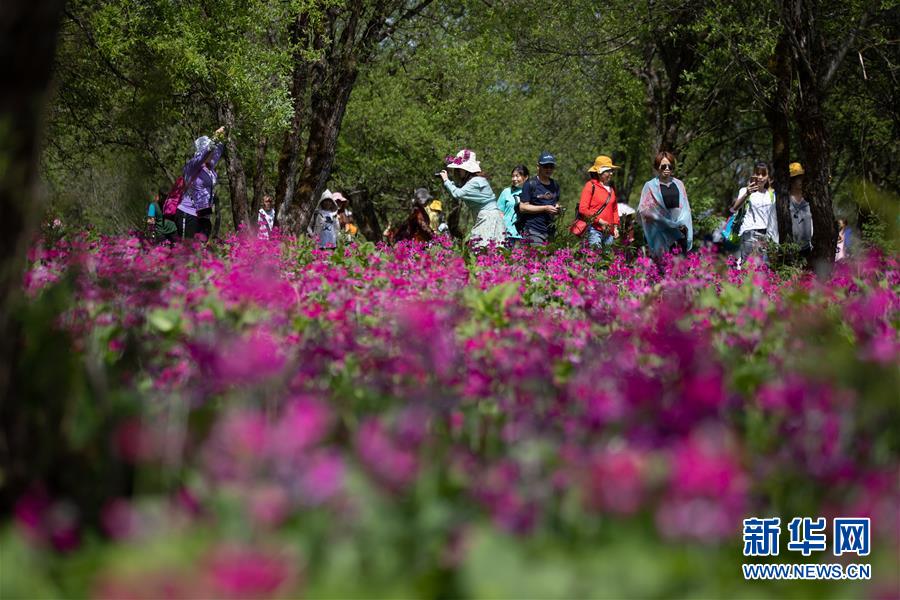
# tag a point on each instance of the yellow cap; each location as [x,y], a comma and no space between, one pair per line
[796,169]
[436,205]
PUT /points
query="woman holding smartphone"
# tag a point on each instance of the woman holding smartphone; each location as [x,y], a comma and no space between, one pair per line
[760,221]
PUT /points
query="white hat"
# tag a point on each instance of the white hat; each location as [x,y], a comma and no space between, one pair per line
[326,195]
[624,209]
[465,160]
[202,144]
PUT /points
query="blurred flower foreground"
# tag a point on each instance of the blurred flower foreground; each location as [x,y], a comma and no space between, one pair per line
[262,420]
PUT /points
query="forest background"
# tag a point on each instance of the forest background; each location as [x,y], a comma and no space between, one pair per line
[368,97]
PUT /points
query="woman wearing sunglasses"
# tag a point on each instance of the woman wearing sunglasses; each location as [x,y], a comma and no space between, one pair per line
[665,211]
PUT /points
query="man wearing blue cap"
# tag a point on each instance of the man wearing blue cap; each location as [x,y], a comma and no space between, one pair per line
[539,203]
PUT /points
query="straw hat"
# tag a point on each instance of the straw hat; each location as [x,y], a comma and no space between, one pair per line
[602,164]
[795,169]
[465,160]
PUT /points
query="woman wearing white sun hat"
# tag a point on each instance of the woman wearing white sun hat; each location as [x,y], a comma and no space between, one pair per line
[477,194]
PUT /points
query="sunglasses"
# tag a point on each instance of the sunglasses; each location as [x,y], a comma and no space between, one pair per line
[547,166]
[665,167]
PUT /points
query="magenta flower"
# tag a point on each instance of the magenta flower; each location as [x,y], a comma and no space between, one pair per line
[46,522]
[121,521]
[243,572]
[617,481]
[385,459]
[304,423]
[323,478]
[250,359]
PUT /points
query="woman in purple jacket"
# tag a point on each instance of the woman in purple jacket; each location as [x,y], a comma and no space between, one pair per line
[195,210]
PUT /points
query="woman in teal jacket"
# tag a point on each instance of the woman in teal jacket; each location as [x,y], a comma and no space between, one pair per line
[477,194]
[508,201]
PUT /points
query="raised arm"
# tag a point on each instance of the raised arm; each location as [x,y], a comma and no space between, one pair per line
[454,190]
[212,154]
[742,196]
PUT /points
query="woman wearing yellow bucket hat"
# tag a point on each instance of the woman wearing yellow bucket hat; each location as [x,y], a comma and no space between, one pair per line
[801,217]
[665,210]
[598,209]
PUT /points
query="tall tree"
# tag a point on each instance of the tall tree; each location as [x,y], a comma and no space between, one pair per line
[28,38]
[344,40]
[817,55]
[777,109]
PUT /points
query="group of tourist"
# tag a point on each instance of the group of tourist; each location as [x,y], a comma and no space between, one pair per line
[527,211]
[759,223]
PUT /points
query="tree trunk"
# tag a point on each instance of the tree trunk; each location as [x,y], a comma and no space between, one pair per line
[778,115]
[290,147]
[259,177]
[365,215]
[629,179]
[814,142]
[665,90]
[346,37]
[28,31]
[327,113]
[237,179]
[812,66]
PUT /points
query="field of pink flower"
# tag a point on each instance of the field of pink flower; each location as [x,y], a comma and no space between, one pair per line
[265,420]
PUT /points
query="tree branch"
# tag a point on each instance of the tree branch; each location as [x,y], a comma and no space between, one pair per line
[93,44]
[839,56]
[410,13]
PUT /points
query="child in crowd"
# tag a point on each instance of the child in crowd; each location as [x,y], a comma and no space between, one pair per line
[160,228]
[265,221]
[325,222]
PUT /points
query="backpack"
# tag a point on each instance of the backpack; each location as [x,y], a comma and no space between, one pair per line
[731,234]
[170,207]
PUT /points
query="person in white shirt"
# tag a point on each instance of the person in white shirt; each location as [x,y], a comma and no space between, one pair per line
[760,220]
[265,220]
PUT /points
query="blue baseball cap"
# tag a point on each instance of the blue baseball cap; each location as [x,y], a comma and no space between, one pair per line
[546,159]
